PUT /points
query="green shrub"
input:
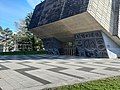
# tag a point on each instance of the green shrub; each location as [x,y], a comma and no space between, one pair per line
[23,53]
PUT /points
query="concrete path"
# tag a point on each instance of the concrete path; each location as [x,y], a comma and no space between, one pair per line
[40,72]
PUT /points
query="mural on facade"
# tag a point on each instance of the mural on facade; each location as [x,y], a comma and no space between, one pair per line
[90,44]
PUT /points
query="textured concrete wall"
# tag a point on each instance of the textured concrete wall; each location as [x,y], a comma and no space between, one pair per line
[101,11]
[52,45]
[112,48]
[36,15]
[115,16]
[119,22]
[54,10]
[91,44]
[106,12]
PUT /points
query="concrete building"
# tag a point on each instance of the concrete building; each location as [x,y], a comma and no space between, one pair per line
[86,28]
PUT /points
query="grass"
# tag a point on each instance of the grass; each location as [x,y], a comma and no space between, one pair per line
[104,84]
[23,53]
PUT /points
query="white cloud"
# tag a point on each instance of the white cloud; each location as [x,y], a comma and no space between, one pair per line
[33,3]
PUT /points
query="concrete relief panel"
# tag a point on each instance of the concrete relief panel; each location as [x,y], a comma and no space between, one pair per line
[90,44]
[36,15]
[52,45]
[53,10]
[73,7]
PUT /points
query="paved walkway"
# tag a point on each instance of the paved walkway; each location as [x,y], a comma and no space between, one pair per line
[39,72]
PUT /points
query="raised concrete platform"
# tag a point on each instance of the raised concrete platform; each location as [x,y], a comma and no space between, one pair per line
[39,72]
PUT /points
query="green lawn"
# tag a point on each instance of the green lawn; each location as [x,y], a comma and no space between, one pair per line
[105,84]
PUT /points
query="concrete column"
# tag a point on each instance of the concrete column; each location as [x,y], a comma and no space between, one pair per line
[115,17]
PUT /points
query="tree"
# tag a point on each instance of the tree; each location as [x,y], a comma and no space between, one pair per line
[9,42]
[28,19]
[7,38]
[36,42]
[23,32]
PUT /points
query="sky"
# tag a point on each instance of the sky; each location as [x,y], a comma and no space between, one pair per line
[12,11]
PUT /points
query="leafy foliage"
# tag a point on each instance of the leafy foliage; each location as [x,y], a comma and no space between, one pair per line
[7,39]
[10,40]
[24,34]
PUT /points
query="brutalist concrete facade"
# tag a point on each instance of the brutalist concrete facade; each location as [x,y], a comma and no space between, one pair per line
[86,28]
[91,44]
[54,10]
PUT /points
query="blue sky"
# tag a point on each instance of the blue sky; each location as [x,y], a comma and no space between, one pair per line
[12,11]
